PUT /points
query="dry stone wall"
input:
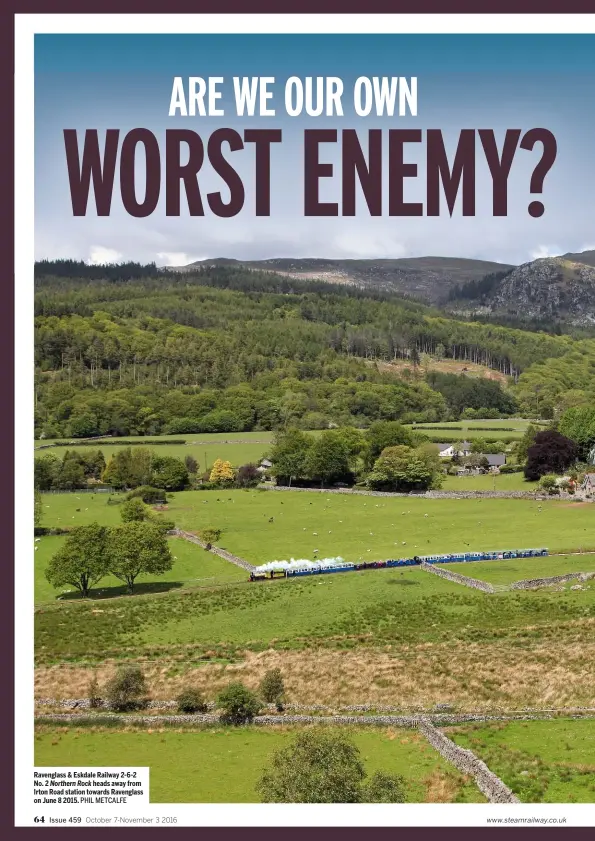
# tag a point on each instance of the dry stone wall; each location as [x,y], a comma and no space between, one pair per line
[222,553]
[466,761]
[422,494]
[532,583]
[441,714]
[437,719]
[475,583]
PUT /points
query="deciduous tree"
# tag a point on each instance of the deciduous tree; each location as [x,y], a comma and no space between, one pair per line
[138,548]
[83,559]
[551,452]
[222,472]
[325,767]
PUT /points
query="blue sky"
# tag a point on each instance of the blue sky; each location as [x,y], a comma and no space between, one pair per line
[498,82]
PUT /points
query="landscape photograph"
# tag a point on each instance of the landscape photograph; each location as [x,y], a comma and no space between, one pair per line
[313,404]
[280,517]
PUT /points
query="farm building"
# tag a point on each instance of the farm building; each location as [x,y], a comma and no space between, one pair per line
[495,460]
[448,450]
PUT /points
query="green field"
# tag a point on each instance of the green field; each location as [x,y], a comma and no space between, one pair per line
[193,567]
[541,761]
[205,449]
[392,635]
[468,430]
[352,526]
[518,569]
[488,482]
[223,765]
[211,437]
[243,447]
[343,611]
[507,423]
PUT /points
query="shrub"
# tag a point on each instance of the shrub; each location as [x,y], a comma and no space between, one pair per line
[210,535]
[191,701]
[127,689]
[248,476]
[164,525]
[237,704]
[191,464]
[272,687]
[205,485]
[148,494]
[134,511]
[384,788]
[548,484]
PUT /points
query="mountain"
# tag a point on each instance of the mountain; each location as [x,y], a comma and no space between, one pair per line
[428,279]
[548,289]
[586,257]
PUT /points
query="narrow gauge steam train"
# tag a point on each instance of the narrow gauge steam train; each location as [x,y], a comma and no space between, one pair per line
[461,557]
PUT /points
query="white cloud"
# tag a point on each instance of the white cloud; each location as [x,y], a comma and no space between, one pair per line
[175,258]
[100,254]
[366,245]
[545,251]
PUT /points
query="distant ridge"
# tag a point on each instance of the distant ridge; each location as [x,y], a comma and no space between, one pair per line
[429,279]
[585,257]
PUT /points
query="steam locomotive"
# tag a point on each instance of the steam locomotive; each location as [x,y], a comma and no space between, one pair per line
[461,557]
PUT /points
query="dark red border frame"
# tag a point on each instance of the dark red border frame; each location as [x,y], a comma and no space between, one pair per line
[7,329]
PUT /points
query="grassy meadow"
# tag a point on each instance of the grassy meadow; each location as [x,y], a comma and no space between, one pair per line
[193,567]
[488,482]
[212,759]
[393,636]
[502,428]
[518,569]
[352,526]
[377,636]
[541,761]
[237,447]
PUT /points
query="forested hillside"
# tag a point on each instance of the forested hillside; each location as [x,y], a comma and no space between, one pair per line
[135,350]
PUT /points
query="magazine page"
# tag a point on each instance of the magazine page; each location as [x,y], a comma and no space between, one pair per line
[306,347]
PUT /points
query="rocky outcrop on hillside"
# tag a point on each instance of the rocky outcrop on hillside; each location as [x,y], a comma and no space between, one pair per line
[549,288]
[552,289]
